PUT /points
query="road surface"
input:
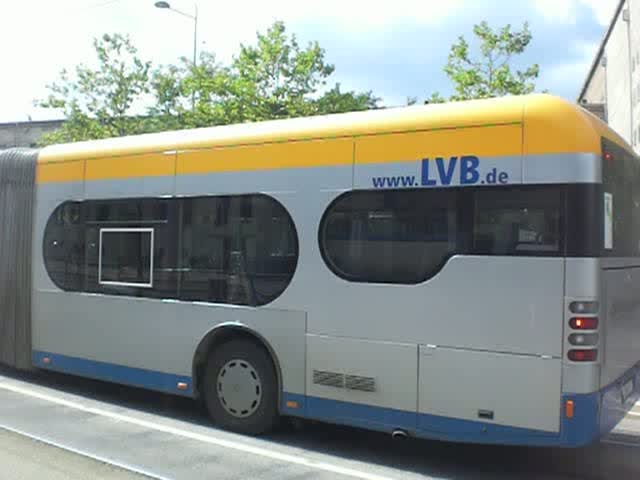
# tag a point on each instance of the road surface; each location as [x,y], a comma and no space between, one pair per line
[23,458]
[166,437]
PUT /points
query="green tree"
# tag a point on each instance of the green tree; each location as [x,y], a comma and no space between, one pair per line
[277,78]
[99,102]
[189,97]
[337,101]
[166,87]
[491,73]
[273,78]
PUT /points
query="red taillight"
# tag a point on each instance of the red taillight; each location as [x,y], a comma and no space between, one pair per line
[584,323]
[583,355]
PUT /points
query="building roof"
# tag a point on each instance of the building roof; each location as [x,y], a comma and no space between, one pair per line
[32,123]
[603,44]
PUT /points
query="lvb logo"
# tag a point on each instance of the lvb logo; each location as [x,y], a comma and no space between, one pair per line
[463,170]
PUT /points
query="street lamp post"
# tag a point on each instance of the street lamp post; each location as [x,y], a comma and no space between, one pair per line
[194,17]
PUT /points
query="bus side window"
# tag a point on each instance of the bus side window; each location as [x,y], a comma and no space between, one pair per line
[125,227]
[403,236]
[64,252]
[518,222]
[239,249]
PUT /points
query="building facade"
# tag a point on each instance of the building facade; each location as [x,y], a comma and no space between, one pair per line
[25,134]
[612,87]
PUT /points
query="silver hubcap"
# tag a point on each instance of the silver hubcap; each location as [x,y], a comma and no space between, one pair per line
[239,388]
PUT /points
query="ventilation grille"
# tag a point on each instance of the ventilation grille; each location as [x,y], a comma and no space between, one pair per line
[328,379]
[364,384]
[338,380]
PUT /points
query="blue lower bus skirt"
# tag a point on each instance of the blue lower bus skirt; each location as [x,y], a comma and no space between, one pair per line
[595,414]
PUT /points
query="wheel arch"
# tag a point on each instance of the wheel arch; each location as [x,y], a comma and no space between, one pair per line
[221,334]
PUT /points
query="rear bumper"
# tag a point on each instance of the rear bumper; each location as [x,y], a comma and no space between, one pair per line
[596,414]
[618,399]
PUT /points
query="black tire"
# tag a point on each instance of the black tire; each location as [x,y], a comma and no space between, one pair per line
[265,416]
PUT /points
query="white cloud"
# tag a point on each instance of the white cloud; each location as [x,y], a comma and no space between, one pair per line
[357,14]
[562,11]
[40,38]
[563,76]
[565,11]
[603,9]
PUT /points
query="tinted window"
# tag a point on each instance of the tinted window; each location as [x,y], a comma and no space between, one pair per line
[232,249]
[237,249]
[583,220]
[125,256]
[64,252]
[406,236]
[621,181]
[518,221]
[391,236]
[127,211]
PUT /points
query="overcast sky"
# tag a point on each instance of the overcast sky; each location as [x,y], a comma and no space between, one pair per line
[395,48]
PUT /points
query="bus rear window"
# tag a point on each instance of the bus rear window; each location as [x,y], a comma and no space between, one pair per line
[621,201]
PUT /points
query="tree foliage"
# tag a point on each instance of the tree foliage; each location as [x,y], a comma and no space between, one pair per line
[273,78]
[277,77]
[489,73]
[188,96]
[337,101]
[98,102]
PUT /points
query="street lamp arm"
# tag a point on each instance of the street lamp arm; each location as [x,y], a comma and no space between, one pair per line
[167,6]
[184,14]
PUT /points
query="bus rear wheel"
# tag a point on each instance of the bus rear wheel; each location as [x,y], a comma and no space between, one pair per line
[240,388]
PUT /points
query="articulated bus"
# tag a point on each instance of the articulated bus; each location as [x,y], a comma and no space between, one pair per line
[463,272]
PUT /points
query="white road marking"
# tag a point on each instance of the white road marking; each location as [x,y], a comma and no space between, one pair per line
[633,414]
[108,461]
[620,442]
[263,452]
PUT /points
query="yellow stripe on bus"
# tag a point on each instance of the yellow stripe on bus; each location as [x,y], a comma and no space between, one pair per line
[267,157]
[148,165]
[529,125]
[553,126]
[494,141]
[60,172]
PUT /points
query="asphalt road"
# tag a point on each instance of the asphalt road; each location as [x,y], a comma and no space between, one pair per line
[169,437]
[23,458]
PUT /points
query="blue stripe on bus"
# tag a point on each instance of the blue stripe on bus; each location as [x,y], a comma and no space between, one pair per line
[137,377]
[595,413]
[581,430]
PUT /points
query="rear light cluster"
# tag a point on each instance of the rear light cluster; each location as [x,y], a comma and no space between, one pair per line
[584,323]
[583,355]
[586,338]
[583,339]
